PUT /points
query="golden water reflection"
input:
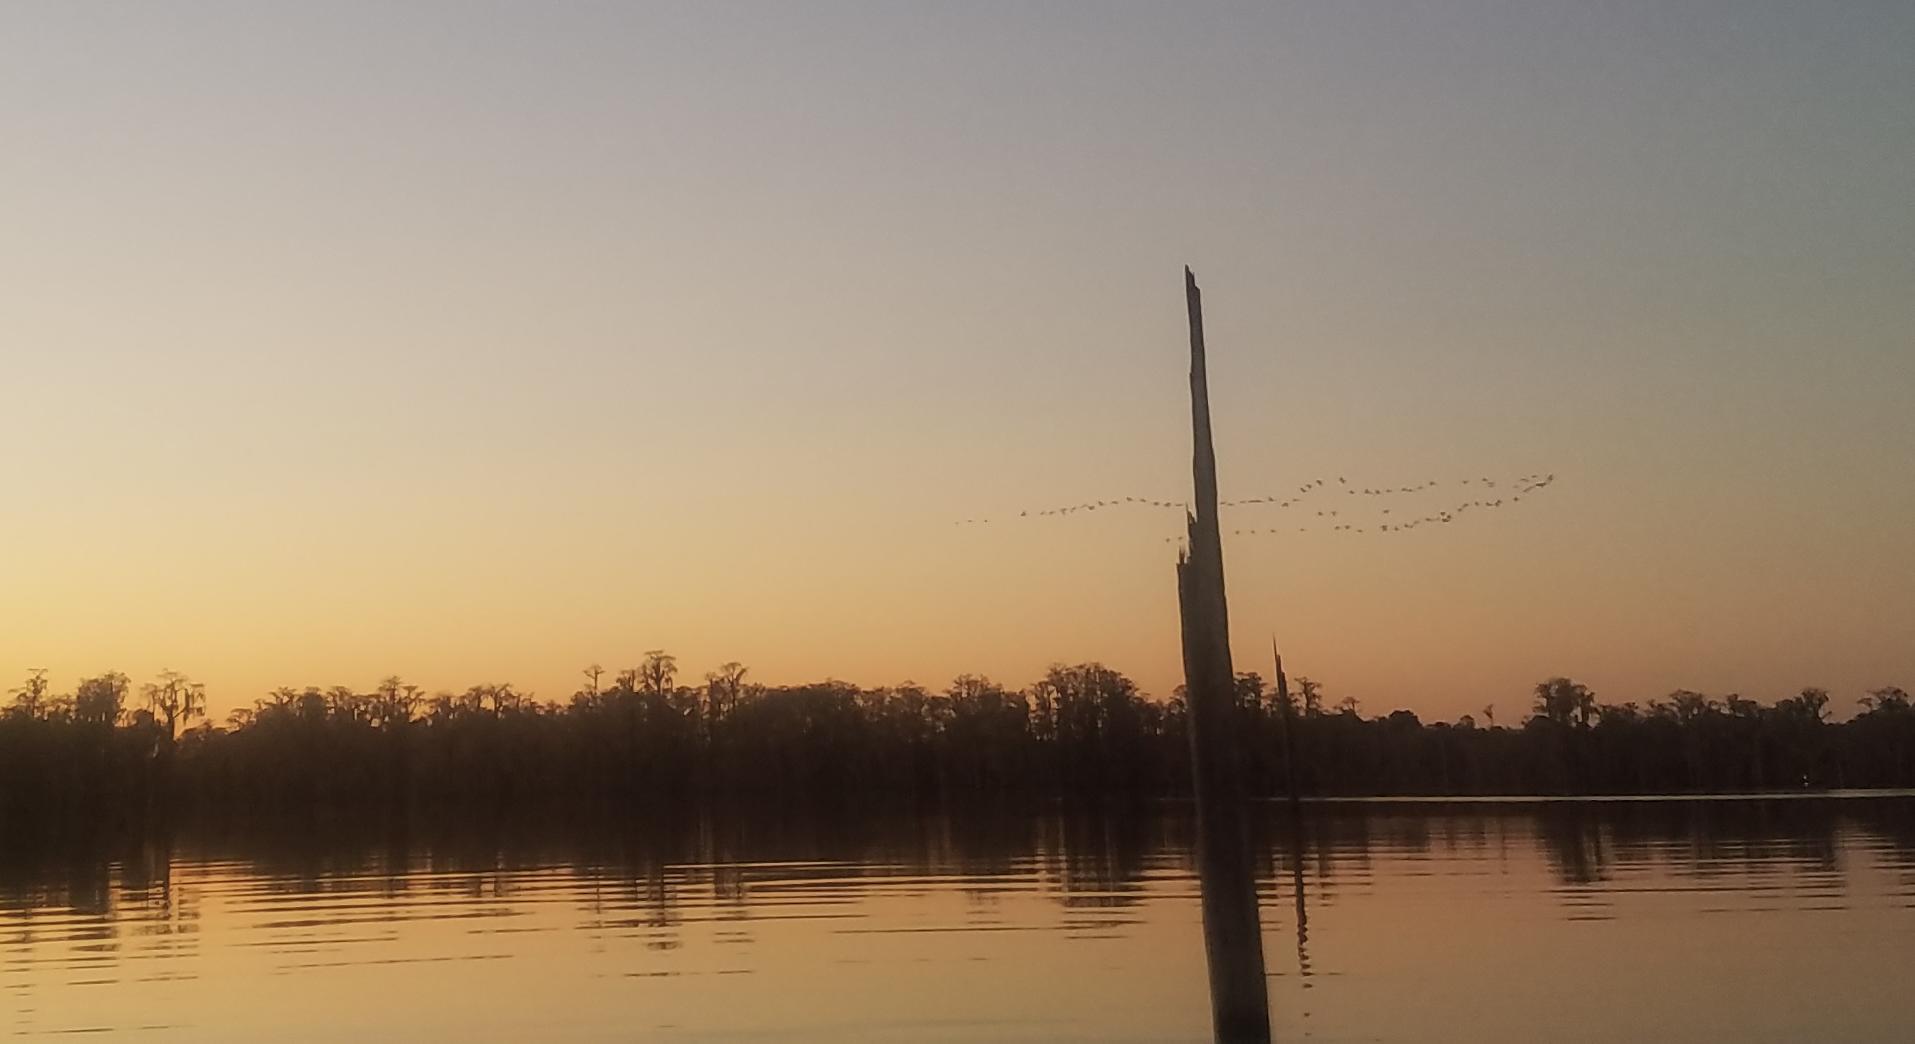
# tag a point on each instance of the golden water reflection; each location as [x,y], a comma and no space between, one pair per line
[1683,920]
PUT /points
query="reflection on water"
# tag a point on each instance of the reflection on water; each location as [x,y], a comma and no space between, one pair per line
[1682,920]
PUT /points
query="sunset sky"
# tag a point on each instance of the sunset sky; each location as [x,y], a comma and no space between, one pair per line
[480,342]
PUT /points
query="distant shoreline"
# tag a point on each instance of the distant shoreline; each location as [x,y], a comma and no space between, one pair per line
[1085,732]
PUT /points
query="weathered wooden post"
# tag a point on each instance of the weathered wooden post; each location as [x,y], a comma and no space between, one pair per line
[1233,942]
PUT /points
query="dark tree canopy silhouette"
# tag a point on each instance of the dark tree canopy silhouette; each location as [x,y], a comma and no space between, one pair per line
[1080,730]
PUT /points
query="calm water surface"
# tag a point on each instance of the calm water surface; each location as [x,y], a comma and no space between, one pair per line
[1755,920]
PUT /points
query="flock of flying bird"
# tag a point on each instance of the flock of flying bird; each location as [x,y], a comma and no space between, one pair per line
[1389,520]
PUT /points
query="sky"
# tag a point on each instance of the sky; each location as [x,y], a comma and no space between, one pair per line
[481,342]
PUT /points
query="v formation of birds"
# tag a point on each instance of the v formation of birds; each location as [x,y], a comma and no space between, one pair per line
[1312,500]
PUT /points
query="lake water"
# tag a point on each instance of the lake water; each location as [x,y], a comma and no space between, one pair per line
[1747,920]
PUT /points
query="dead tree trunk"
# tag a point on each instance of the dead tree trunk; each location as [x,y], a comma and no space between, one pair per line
[1289,730]
[1233,943]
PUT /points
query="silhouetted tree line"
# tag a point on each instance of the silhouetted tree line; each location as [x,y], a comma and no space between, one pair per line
[644,735]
